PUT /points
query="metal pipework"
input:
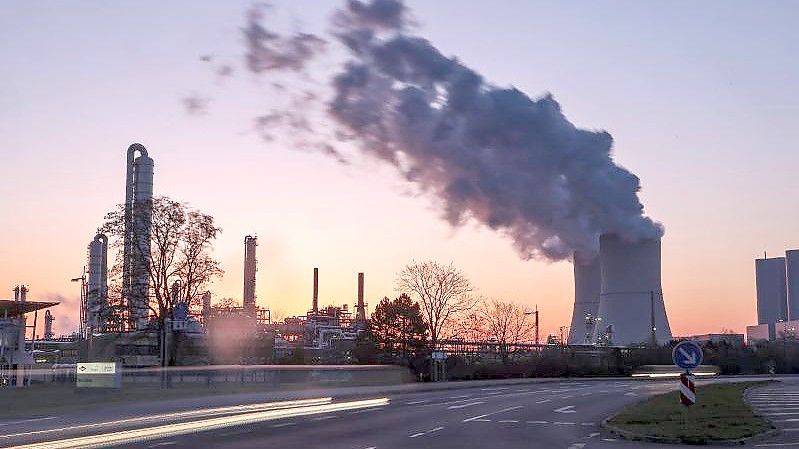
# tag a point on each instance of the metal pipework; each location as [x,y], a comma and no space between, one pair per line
[97,285]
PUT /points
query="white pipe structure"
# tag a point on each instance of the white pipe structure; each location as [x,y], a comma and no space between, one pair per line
[97,284]
[631,308]
[587,287]
[250,267]
[138,220]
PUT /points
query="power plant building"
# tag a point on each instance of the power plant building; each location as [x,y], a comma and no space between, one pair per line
[772,303]
[792,282]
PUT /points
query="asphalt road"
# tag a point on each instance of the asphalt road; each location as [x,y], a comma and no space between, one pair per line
[560,414]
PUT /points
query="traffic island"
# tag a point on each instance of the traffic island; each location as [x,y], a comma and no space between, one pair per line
[720,416]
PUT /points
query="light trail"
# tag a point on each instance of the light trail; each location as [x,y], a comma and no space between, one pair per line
[180,415]
[171,430]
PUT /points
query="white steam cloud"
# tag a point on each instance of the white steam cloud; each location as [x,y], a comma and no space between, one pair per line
[493,154]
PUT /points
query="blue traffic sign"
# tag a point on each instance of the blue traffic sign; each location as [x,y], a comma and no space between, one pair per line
[687,355]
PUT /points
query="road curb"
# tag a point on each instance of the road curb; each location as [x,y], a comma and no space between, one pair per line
[628,435]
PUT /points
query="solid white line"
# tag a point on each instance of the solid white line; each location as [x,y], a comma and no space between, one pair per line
[453,407]
[416,435]
[492,413]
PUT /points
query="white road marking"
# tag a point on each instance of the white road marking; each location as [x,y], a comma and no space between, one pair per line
[609,439]
[560,423]
[324,418]
[544,401]
[28,420]
[537,422]
[366,410]
[566,409]
[577,446]
[468,404]
[495,392]
[416,435]
[508,421]
[492,413]
[593,434]
[568,396]
[283,424]
[795,443]
[460,397]
[494,389]
[416,402]
[482,420]
[630,394]
[587,424]
[436,429]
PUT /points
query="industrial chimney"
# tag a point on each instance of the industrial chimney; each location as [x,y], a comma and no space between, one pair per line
[360,308]
[250,267]
[138,221]
[631,307]
[587,288]
[315,305]
[206,307]
[48,325]
[97,284]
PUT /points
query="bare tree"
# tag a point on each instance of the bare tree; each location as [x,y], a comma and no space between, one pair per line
[506,323]
[179,264]
[442,290]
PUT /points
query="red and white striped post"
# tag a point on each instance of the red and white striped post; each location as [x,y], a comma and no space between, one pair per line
[687,389]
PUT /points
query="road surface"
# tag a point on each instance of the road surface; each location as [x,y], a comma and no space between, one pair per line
[558,414]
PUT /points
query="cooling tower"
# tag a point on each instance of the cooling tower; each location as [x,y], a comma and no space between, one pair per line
[587,287]
[631,308]
[792,278]
[250,267]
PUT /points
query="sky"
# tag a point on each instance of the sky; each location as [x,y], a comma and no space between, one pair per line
[701,99]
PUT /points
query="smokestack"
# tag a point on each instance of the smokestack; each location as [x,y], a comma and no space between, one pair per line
[250,267]
[587,288]
[206,306]
[315,306]
[138,221]
[631,307]
[48,325]
[360,308]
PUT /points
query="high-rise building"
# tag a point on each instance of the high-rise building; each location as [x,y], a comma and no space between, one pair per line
[772,301]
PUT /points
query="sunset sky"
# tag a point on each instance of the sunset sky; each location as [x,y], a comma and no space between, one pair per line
[702,101]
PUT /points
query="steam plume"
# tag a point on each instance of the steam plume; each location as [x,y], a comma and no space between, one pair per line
[489,153]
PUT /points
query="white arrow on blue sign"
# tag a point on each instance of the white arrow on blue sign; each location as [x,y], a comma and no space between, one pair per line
[687,355]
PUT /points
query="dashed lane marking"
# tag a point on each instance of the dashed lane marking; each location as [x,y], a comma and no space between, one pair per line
[577,446]
[593,434]
[283,424]
[565,409]
[508,420]
[416,402]
[562,423]
[468,404]
[544,401]
[587,424]
[493,413]
[537,422]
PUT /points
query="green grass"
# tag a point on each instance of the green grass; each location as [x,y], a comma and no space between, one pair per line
[719,414]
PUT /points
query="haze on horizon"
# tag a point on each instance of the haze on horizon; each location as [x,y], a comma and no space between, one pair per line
[700,101]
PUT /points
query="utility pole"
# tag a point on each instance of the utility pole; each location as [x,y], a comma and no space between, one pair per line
[652,318]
